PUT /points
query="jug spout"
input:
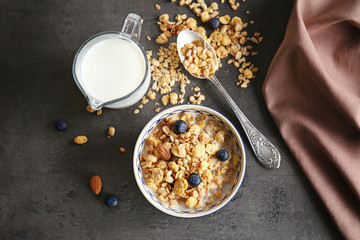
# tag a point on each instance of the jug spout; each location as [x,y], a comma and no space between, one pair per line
[94,103]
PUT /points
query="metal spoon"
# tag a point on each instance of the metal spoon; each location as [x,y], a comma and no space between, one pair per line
[267,154]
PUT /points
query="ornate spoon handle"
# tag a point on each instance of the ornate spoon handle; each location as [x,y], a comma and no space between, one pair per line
[267,154]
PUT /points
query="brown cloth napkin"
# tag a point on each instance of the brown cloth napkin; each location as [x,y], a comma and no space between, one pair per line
[312,90]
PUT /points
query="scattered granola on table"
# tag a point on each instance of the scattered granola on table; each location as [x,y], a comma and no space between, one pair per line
[111,131]
[89,109]
[80,139]
[181,164]
[230,40]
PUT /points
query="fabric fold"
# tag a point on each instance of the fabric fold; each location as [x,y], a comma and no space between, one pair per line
[312,91]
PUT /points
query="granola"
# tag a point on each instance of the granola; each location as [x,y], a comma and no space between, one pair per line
[199,60]
[230,40]
[168,159]
[81,139]
[111,131]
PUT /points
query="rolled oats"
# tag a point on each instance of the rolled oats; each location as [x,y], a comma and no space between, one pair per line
[151,95]
[174,98]
[165,99]
[254,40]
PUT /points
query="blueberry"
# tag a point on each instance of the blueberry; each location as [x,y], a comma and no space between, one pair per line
[61,125]
[180,126]
[214,23]
[222,155]
[111,200]
[194,180]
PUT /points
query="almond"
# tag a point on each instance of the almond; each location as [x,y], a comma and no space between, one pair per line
[164,152]
[95,184]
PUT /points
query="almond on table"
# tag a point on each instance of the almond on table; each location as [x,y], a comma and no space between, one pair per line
[96,184]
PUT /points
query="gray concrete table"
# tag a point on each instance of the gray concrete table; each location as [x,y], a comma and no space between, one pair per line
[44,176]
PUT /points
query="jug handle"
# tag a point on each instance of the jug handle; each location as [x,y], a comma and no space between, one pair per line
[132,25]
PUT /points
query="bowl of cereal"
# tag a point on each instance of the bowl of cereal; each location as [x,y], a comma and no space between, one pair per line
[189,161]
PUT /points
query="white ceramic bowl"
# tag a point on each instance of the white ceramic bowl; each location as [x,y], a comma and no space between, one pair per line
[229,191]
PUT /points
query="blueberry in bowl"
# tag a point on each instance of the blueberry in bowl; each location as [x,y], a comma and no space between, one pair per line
[222,155]
[180,126]
[194,180]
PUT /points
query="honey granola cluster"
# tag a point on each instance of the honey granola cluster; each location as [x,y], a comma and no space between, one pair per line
[169,159]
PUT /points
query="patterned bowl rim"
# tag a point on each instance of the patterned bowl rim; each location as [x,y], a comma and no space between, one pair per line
[148,194]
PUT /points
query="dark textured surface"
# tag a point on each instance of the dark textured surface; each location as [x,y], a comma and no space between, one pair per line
[44,176]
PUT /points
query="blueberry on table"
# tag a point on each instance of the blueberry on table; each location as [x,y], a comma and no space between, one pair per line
[61,125]
[194,180]
[111,200]
[222,155]
[180,126]
[214,23]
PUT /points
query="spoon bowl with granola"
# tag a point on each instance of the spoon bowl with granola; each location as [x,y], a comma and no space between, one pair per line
[199,59]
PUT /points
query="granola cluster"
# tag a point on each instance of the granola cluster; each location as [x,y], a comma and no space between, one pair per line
[168,159]
[199,61]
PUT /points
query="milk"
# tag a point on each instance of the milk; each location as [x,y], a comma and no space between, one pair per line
[112,68]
